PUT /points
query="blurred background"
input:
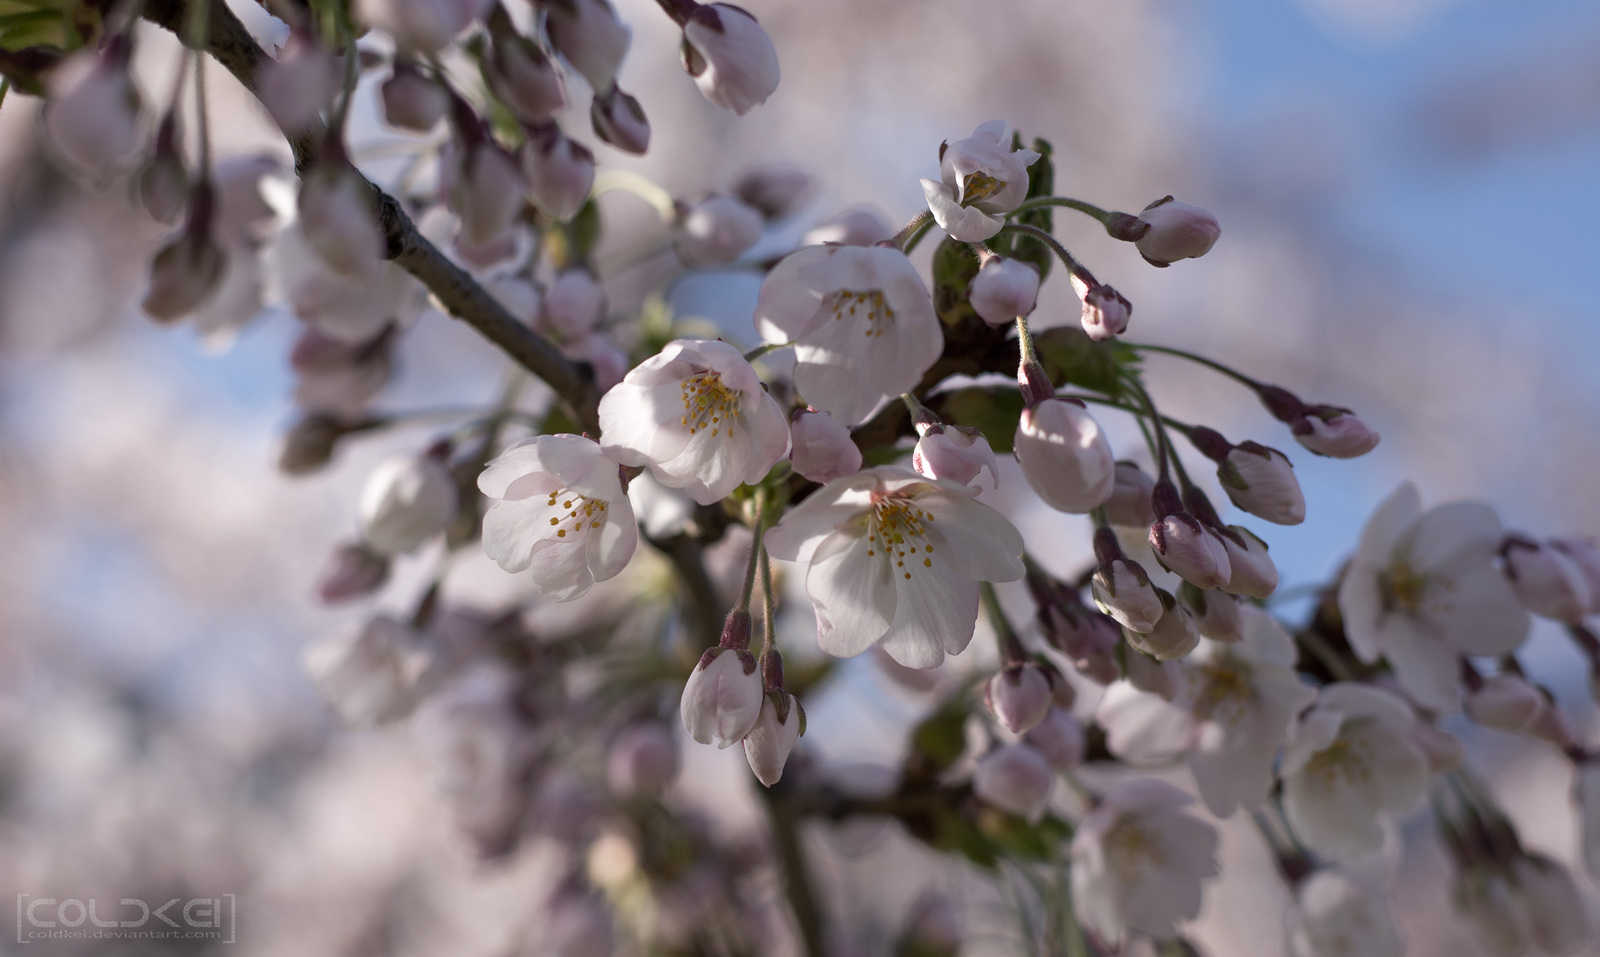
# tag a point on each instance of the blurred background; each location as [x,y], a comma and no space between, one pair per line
[1410,215]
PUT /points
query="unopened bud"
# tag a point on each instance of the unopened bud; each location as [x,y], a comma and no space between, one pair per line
[412,100]
[484,188]
[1190,550]
[1504,702]
[717,230]
[1105,311]
[1216,614]
[164,182]
[776,730]
[859,226]
[822,449]
[1334,433]
[722,699]
[520,74]
[1018,696]
[1148,674]
[1122,590]
[1547,581]
[407,500]
[93,113]
[730,57]
[1252,572]
[338,219]
[957,453]
[1003,290]
[1129,504]
[185,274]
[1060,738]
[591,38]
[309,443]
[298,86]
[420,26]
[1173,636]
[1015,778]
[560,173]
[352,571]
[776,191]
[618,119]
[1177,231]
[1261,481]
[1064,455]
[642,760]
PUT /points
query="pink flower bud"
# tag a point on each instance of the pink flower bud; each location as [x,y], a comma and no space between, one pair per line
[730,57]
[722,699]
[642,760]
[1148,674]
[1003,290]
[338,219]
[1177,231]
[768,744]
[352,571]
[1190,550]
[859,226]
[933,927]
[1129,504]
[717,230]
[374,673]
[484,187]
[300,84]
[776,191]
[1252,572]
[523,77]
[310,442]
[1015,778]
[573,305]
[1173,636]
[1092,647]
[1586,556]
[822,449]
[618,119]
[184,275]
[338,377]
[1105,311]
[164,181]
[591,38]
[1018,696]
[957,453]
[92,116]
[606,358]
[1547,581]
[420,26]
[1216,614]
[407,500]
[1060,738]
[1064,455]
[1122,590]
[1334,433]
[1505,702]
[560,173]
[1261,481]
[411,100]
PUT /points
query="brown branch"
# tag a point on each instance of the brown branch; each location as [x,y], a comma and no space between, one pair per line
[462,297]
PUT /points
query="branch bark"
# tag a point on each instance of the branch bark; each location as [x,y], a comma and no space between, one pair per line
[231,45]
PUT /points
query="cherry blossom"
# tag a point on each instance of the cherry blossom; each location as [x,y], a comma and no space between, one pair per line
[1336,915]
[770,740]
[722,701]
[980,176]
[896,558]
[375,672]
[730,57]
[823,450]
[1015,778]
[1177,231]
[407,500]
[1064,455]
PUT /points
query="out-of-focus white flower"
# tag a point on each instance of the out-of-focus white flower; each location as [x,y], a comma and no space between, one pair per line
[1138,861]
[1338,916]
[411,100]
[93,113]
[1060,738]
[1129,504]
[1422,590]
[1547,580]
[954,452]
[1018,696]
[1260,480]
[558,510]
[823,449]
[375,672]
[717,230]
[1003,290]
[1173,636]
[896,558]
[338,377]
[1505,702]
[1217,615]
[1106,312]
[1351,761]
[1252,572]
[1190,550]
[350,308]
[618,119]
[1586,556]
[301,83]
[859,226]
[861,320]
[589,34]
[484,187]
[560,173]
[1586,795]
[730,57]
[407,500]
[776,191]
[722,699]
[338,219]
[768,744]
[1065,456]
[1122,589]
[421,26]
[642,759]
[1234,708]
[1015,778]
[606,358]
[1177,231]
[980,176]
[696,415]
[185,274]
[1530,902]
[352,571]
[574,303]
[1334,433]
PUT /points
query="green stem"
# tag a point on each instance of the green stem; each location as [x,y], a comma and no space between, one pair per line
[791,855]
[1073,266]
[5,87]
[769,604]
[640,186]
[1166,420]
[759,530]
[765,348]
[1037,202]
[1163,446]
[1202,360]
[911,233]
[1010,645]
[1025,341]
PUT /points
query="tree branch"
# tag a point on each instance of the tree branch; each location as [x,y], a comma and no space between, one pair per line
[231,45]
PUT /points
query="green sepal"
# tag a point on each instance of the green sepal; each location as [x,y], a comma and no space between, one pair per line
[954,266]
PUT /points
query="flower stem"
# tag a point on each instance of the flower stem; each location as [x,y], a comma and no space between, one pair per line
[1163,447]
[1077,269]
[1088,209]
[785,819]
[5,87]
[630,182]
[911,233]
[759,530]
[769,604]
[1202,360]
[765,348]
[1011,648]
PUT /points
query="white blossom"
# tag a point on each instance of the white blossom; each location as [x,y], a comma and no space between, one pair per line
[1351,761]
[896,558]
[730,57]
[1532,901]
[1234,708]
[1177,231]
[717,230]
[862,323]
[696,415]
[1421,590]
[1336,915]
[954,452]
[1015,778]
[1065,456]
[1138,861]
[375,672]
[980,176]
[407,500]
[559,510]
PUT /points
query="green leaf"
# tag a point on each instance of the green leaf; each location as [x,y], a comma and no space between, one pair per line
[939,740]
[1041,182]
[954,265]
[1012,836]
[993,410]
[1070,357]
